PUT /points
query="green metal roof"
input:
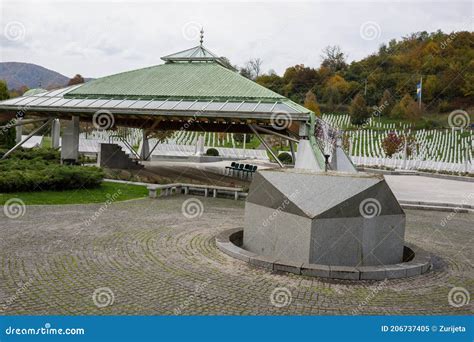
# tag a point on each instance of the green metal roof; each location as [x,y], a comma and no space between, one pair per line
[194,80]
[34,91]
[194,53]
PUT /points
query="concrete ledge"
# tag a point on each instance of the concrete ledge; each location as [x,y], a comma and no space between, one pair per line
[417,173]
[263,261]
[416,262]
[316,270]
[344,272]
[290,267]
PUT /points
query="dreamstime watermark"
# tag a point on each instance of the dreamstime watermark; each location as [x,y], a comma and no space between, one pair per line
[192,208]
[378,110]
[110,199]
[7,126]
[459,119]
[103,296]
[370,30]
[281,297]
[103,120]
[369,208]
[18,292]
[458,297]
[375,290]
[456,210]
[191,30]
[444,44]
[199,288]
[14,208]
[46,330]
[14,31]
[281,208]
[280,120]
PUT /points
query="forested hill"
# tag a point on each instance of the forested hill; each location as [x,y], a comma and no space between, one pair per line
[445,61]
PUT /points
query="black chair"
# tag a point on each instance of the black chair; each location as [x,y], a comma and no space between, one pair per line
[240,169]
[229,168]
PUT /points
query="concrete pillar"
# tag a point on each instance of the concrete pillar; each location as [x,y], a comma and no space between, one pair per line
[70,141]
[19,131]
[340,160]
[55,133]
[405,153]
[305,159]
[199,151]
[145,151]
[304,130]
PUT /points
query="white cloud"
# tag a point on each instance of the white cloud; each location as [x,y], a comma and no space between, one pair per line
[101,38]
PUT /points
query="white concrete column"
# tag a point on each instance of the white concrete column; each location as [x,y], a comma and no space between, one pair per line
[199,151]
[304,130]
[70,141]
[55,133]
[305,159]
[145,151]
[18,131]
[340,160]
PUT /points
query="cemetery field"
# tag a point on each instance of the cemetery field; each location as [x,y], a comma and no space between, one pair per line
[107,190]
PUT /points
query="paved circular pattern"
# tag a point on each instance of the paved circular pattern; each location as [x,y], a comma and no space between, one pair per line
[154,260]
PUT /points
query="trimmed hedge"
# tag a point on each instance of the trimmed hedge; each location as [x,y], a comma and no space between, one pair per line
[212,152]
[40,170]
[285,158]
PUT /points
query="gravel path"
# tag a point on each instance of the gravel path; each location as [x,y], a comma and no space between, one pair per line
[144,257]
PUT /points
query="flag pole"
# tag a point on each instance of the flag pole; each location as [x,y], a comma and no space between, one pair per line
[421,91]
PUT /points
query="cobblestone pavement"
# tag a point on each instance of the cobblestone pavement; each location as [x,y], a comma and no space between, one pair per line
[144,257]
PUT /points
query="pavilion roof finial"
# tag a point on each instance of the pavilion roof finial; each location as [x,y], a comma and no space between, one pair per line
[202,35]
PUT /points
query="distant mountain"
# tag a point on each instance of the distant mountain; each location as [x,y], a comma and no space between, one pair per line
[31,75]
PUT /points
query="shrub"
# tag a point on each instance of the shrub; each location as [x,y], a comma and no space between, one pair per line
[212,152]
[39,169]
[392,144]
[47,154]
[430,124]
[285,158]
[52,177]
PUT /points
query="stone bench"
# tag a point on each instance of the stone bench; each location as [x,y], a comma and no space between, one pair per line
[169,189]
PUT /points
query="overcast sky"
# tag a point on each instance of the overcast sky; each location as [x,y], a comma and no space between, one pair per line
[98,38]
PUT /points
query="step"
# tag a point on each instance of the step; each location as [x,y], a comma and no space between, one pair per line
[437,204]
[436,208]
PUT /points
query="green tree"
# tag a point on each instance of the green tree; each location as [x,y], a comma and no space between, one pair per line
[358,110]
[4,95]
[7,135]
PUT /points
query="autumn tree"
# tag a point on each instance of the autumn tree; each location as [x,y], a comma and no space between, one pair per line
[406,108]
[298,80]
[385,105]
[392,144]
[311,103]
[78,79]
[358,110]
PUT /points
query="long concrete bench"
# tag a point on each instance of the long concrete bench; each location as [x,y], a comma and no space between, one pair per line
[169,189]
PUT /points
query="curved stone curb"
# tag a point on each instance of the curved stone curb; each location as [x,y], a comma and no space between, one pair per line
[417,262]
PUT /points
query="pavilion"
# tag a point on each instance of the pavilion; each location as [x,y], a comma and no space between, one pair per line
[193,90]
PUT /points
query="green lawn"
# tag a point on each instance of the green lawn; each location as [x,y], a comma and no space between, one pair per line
[107,190]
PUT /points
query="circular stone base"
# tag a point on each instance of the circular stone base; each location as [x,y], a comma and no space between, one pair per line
[415,262]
